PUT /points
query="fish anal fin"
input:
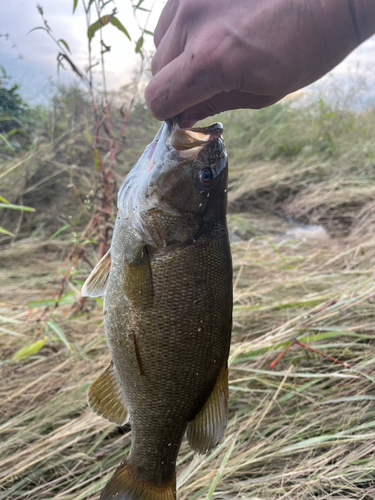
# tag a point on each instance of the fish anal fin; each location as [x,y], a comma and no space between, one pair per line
[127,484]
[106,399]
[95,284]
[205,431]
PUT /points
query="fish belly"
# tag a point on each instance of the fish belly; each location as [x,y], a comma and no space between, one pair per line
[168,331]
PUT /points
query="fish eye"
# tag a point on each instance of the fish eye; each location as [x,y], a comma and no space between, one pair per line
[206,176]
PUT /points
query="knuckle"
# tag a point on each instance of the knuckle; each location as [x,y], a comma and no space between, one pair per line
[155,67]
[153,100]
[205,70]
[188,5]
[157,35]
[213,58]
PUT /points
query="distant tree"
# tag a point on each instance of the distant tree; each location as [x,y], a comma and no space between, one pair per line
[11,103]
[17,119]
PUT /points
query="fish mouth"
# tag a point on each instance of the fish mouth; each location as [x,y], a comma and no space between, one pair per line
[188,142]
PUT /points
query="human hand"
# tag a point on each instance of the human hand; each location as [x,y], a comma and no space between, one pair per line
[216,55]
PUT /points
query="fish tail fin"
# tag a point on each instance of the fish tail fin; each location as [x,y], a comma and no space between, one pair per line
[127,484]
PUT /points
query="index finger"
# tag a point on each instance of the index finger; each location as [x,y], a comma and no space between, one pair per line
[182,83]
[165,20]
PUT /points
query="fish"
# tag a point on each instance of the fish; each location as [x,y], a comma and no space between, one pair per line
[168,300]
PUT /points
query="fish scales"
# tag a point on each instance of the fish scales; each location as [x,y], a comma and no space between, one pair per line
[168,314]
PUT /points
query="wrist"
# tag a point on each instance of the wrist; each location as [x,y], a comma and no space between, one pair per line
[333,29]
[364,12]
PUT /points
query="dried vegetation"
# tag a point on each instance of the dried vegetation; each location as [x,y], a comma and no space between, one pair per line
[304,430]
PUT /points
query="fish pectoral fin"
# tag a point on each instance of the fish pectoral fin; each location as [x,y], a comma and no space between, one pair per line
[138,281]
[106,399]
[208,427]
[95,284]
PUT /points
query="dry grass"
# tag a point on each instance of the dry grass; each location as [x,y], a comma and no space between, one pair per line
[305,430]
[314,164]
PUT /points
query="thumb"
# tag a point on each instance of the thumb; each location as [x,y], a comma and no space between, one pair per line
[224,102]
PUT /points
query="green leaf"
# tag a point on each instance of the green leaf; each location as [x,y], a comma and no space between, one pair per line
[100,23]
[75,3]
[6,142]
[4,231]
[99,301]
[14,131]
[96,160]
[59,231]
[28,350]
[138,4]
[92,66]
[67,298]
[106,3]
[88,135]
[220,472]
[38,28]
[18,131]
[55,327]
[3,72]
[65,45]
[120,26]
[148,32]
[17,207]
[4,200]
[10,119]
[41,303]
[139,45]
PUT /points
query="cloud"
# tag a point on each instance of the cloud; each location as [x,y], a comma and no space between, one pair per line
[37,69]
[38,64]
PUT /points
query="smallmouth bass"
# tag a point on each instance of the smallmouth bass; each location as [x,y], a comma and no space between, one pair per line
[167,282]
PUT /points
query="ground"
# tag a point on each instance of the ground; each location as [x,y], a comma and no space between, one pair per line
[302,430]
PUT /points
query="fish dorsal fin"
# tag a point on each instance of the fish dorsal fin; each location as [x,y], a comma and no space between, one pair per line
[208,427]
[95,284]
[106,399]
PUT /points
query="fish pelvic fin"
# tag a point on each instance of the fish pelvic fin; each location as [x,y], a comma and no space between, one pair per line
[127,484]
[95,284]
[106,399]
[206,430]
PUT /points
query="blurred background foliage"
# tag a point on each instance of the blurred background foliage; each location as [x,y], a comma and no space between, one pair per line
[54,170]
[18,122]
[310,161]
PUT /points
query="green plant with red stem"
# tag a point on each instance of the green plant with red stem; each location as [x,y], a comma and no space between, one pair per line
[104,142]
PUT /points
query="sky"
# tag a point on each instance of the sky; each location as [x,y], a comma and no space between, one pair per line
[30,58]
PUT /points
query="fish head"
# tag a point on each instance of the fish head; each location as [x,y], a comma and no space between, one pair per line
[178,185]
